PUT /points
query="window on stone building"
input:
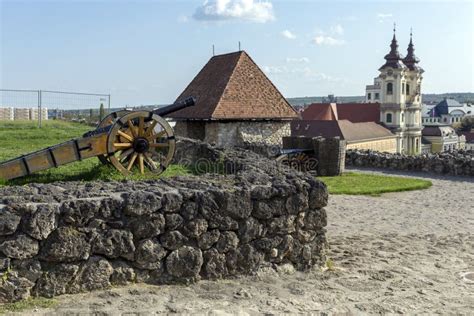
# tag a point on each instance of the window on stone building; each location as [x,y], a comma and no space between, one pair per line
[408,89]
[389,88]
[369,96]
[377,96]
[388,118]
[403,87]
[403,117]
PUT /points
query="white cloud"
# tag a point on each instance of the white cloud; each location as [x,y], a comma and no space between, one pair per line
[384,15]
[297,60]
[246,10]
[327,40]
[337,29]
[287,34]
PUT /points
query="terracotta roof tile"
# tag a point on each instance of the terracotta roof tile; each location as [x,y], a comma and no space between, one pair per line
[349,131]
[232,86]
[354,112]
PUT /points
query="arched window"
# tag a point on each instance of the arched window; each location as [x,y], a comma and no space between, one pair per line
[389,88]
[408,89]
[403,117]
[388,118]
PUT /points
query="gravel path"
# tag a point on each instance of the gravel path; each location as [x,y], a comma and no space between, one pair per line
[407,252]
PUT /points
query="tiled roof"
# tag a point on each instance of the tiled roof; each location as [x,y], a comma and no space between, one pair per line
[349,131]
[321,111]
[232,86]
[354,112]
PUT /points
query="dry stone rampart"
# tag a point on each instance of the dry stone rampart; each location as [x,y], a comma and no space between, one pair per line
[449,163]
[72,237]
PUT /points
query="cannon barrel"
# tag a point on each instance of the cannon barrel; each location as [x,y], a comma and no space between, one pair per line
[174,107]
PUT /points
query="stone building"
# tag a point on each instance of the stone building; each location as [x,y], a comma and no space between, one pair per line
[398,90]
[235,104]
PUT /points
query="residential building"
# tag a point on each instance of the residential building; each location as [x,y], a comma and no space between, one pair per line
[22,114]
[362,135]
[448,111]
[7,114]
[235,104]
[442,138]
[354,112]
[469,136]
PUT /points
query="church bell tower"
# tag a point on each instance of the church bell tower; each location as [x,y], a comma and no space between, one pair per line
[398,91]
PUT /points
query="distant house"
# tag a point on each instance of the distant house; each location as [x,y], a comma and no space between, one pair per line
[235,104]
[469,139]
[362,135]
[448,111]
[442,138]
[354,112]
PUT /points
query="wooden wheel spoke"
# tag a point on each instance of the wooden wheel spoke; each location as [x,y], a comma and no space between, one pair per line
[122,145]
[141,123]
[125,135]
[151,163]
[159,145]
[140,162]
[150,128]
[132,128]
[125,154]
[130,163]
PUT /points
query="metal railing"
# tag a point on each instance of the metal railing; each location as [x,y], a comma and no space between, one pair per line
[45,104]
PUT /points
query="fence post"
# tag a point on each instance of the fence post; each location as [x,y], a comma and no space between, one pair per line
[39,108]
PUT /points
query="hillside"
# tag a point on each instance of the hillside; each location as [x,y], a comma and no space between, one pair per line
[427,98]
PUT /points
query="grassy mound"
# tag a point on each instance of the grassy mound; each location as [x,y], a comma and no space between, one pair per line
[370,184]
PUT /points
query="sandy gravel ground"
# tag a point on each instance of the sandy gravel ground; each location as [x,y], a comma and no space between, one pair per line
[406,252]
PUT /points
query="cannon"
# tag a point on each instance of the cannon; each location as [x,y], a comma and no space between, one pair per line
[132,141]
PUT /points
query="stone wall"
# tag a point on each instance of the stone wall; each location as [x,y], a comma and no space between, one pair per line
[234,133]
[329,153]
[454,163]
[72,237]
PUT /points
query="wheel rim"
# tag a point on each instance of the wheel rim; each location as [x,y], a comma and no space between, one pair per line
[106,121]
[141,141]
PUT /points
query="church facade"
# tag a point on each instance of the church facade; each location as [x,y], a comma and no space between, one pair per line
[398,91]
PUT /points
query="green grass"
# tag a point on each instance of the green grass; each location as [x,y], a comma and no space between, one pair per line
[370,184]
[18,138]
[28,304]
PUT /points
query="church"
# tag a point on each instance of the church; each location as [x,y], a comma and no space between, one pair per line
[398,91]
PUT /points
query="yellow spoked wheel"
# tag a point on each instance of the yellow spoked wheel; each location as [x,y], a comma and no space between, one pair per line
[106,121]
[141,142]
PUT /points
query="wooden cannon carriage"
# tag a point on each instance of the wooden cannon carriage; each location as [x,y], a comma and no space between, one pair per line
[132,141]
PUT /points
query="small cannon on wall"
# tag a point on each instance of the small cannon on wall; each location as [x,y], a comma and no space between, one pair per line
[126,139]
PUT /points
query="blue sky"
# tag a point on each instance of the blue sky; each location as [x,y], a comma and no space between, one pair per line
[146,52]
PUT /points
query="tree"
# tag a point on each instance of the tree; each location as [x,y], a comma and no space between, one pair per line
[91,115]
[467,123]
[101,112]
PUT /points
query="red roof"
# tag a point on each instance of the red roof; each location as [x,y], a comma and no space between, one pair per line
[354,112]
[232,86]
[349,131]
[322,112]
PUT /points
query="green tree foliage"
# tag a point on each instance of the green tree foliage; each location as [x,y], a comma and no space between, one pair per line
[467,123]
[101,111]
